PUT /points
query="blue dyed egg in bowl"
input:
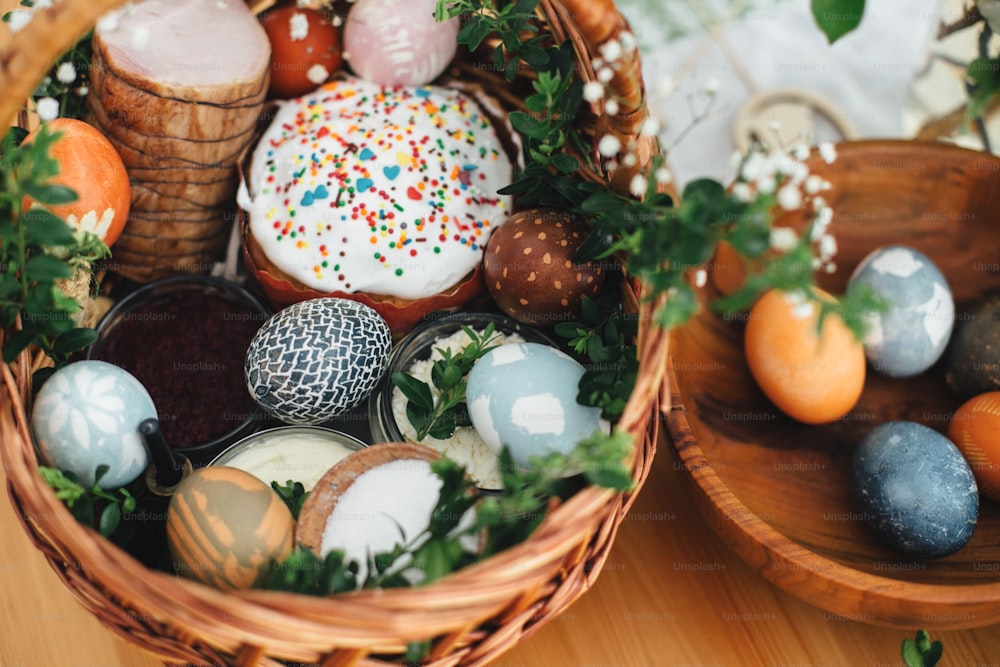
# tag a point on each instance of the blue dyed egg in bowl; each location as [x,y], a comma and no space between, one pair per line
[779,492]
[417,346]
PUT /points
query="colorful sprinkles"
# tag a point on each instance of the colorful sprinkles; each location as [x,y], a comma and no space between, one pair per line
[414,172]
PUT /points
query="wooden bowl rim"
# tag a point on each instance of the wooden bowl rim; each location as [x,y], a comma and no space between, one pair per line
[841,590]
[323,498]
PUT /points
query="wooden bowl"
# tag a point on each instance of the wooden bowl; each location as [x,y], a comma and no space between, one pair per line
[323,498]
[779,491]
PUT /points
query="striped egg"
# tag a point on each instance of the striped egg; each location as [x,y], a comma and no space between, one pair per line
[225,526]
[975,430]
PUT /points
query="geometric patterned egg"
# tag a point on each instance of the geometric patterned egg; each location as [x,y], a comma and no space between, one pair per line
[86,415]
[317,359]
[225,526]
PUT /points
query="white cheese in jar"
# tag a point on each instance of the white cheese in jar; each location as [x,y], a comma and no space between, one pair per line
[293,453]
[465,447]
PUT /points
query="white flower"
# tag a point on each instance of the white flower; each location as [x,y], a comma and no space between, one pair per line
[774,126]
[42,4]
[757,166]
[700,278]
[637,186]
[789,197]
[611,50]
[140,37]
[628,42]
[665,86]
[783,239]
[799,151]
[803,311]
[824,216]
[605,74]
[298,26]
[82,91]
[110,21]
[317,74]
[828,152]
[827,247]
[743,192]
[18,19]
[766,185]
[813,184]
[663,176]
[711,86]
[609,145]
[630,159]
[48,108]
[611,107]
[650,127]
[66,73]
[830,267]
[593,91]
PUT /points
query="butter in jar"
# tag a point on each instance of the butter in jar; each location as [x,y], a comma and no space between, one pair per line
[290,453]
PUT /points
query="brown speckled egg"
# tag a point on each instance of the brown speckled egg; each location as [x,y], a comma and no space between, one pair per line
[529,271]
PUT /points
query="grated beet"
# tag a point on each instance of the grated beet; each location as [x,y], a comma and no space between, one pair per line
[188,349]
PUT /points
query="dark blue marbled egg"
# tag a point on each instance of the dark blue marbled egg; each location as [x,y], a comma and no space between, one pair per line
[317,359]
[916,489]
[912,334]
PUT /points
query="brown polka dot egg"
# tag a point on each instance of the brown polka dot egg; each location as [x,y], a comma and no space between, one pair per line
[529,270]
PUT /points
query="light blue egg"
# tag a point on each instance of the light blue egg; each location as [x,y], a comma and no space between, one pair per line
[523,395]
[912,334]
[87,414]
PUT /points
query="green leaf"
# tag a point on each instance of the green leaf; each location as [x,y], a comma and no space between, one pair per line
[985,75]
[416,392]
[565,163]
[110,517]
[17,342]
[43,228]
[74,340]
[836,18]
[529,125]
[46,267]
[610,478]
[50,194]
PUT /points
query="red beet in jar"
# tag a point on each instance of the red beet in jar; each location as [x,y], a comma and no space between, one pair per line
[186,338]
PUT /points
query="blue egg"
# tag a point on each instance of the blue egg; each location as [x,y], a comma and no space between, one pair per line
[523,395]
[87,414]
[912,333]
[915,489]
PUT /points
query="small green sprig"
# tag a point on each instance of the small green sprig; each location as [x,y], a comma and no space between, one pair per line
[438,413]
[605,338]
[512,22]
[37,251]
[921,651]
[84,502]
[293,494]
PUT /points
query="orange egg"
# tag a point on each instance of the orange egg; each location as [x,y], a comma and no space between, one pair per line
[225,527]
[975,430]
[90,166]
[813,378]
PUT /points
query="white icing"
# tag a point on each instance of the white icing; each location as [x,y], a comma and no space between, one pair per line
[392,232]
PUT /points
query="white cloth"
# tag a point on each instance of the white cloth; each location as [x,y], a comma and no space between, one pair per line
[754,46]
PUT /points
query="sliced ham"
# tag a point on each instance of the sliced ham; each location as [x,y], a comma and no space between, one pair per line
[179,88]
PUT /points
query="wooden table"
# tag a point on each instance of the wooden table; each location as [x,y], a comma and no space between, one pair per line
[671,594]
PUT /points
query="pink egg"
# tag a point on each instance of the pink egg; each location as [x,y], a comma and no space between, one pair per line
[398,42]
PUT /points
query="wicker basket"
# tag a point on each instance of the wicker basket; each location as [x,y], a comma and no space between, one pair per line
[471,616]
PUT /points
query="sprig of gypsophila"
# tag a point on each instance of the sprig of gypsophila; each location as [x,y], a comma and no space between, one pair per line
[667,244]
